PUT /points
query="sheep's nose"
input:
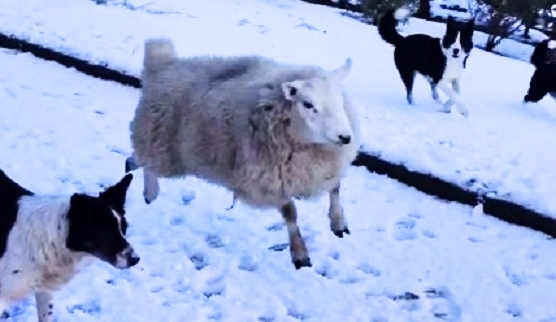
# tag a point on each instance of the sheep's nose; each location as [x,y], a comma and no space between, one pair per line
[344,139]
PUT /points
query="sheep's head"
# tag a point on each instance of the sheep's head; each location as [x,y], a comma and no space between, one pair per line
[320,104]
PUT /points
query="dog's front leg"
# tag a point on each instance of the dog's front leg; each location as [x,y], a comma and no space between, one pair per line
[454,98]
[434,92]
[456,86]
[45,308]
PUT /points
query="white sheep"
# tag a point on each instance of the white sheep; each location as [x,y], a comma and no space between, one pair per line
[268,132]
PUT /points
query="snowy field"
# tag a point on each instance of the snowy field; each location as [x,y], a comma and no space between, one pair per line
[503,148]
[62,131]
[409,257]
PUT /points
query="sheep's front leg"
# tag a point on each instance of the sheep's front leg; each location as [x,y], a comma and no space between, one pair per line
[338,223]
[45,308]
[151,189]
[298,249]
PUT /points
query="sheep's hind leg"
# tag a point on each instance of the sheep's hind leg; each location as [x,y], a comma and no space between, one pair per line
[298,249]
[151,188]
[338,223]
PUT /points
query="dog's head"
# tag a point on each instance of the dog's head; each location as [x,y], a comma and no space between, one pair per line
[458,39]
[97,225]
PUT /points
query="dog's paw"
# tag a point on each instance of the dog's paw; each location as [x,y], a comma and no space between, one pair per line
[445,110]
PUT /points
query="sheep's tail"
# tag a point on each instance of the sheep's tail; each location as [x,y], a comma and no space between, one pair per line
[158,52]
[388,23]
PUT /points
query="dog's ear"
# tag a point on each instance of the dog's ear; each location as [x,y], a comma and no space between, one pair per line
[470,23]
[116,195]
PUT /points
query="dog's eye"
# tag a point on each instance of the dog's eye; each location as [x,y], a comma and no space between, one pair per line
[308,105]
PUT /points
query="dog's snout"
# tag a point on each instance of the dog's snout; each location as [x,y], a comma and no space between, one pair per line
[456,51]
[134,259]
[127,258]
[131,257]
[344,139]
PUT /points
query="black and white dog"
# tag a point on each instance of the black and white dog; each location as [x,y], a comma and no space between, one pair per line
[441,61]
[543,80]
[44,240]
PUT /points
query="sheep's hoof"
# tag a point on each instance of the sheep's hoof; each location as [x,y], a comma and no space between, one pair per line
[303,262]
[340,233]
[147,201]
[130,164]
[4,315]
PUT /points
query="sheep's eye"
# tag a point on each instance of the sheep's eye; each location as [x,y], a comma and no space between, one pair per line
[308,105]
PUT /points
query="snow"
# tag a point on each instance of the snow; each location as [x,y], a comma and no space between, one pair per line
[63,131]
[498,148]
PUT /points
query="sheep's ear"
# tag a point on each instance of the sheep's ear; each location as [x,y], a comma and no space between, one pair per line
[291,89]
[341,72]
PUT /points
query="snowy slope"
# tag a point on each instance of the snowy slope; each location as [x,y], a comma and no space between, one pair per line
[502,147]
[62,131]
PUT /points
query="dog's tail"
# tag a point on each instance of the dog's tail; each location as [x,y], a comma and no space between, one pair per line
[388,23]
[158,52]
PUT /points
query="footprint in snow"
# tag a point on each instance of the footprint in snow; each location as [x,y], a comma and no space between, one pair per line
[278,247]
[176,221]
[326,270]
[404,229]
[276,227]
[247,263]
[15,311]
[187,197]
[265,319]
[514,310]
[428,233]
[214,287]
[214,241]
[308,26]
[442,304]
[408,301]
[369,270]
[297,315]
[91,308]
[515,278]
[199,260]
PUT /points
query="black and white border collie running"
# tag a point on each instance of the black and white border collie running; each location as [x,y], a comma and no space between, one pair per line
[441,61]
[543,81]
[44,240]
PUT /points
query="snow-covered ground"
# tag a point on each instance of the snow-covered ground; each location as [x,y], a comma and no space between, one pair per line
[503,146]
[62,131]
